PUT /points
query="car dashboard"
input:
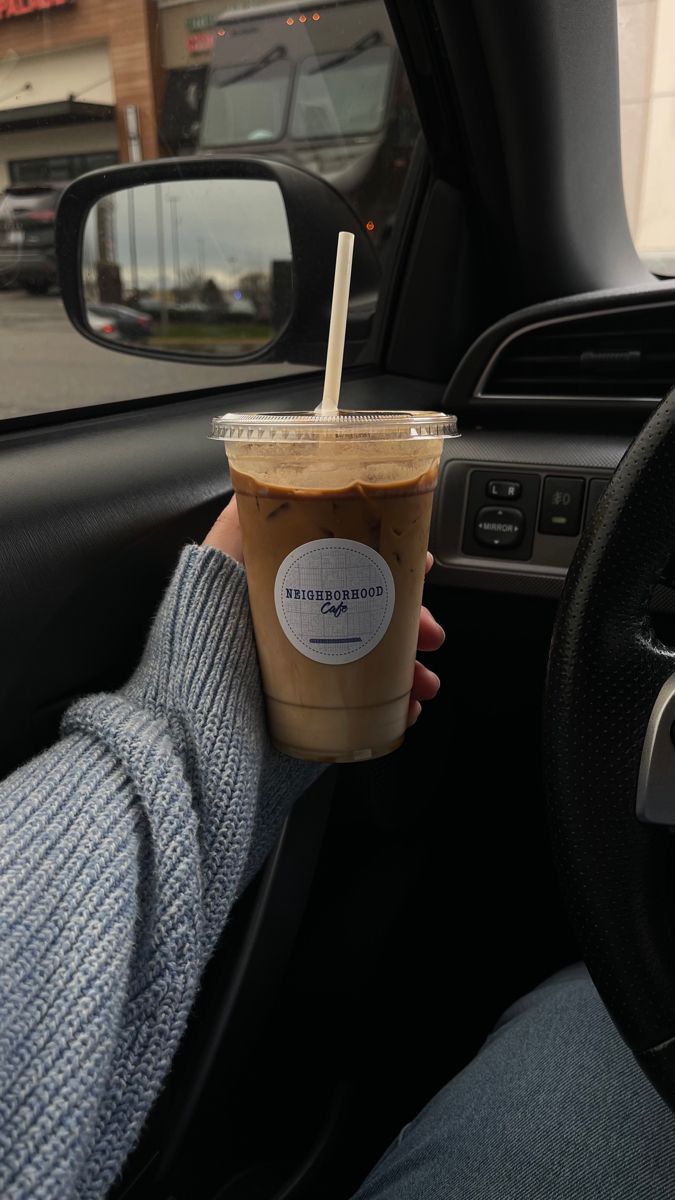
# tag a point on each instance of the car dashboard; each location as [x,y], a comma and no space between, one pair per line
[577,377]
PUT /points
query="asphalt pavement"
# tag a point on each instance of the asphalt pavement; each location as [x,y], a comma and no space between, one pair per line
[46,365]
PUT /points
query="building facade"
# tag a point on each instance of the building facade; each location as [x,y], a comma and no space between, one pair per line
[85,83]
[69,72]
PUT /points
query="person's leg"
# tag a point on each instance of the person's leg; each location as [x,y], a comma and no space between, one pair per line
[553,1107]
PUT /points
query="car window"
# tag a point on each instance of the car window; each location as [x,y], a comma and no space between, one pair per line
[342,95]
[85,84]
[647,77]
[30,199]
[246,104]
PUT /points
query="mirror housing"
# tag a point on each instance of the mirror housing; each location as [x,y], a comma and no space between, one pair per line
[315,213]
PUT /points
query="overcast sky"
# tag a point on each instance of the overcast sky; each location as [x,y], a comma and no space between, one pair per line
[223,227]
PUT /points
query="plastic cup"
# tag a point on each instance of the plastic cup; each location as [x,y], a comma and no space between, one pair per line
[335,512]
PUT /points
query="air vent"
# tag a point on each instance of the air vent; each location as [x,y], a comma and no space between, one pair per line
[629,354]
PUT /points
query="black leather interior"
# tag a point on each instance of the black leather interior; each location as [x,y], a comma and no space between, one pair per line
[606,668]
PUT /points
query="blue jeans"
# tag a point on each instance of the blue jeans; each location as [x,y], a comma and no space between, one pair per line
[554,1107]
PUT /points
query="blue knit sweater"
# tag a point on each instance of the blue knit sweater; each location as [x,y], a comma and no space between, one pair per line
[122,851]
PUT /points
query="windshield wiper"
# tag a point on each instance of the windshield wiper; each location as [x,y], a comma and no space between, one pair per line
[365,43]
[272,56]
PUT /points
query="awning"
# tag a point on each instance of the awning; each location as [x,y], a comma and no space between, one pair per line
[60,112]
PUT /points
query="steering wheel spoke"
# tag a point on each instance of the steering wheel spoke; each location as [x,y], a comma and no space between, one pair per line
[655,799]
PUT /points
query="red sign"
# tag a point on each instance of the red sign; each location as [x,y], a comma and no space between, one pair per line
[25,8]
[197,43]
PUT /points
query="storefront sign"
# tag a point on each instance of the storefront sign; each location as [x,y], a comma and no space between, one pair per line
[197,24]
[25,8]
[197,43]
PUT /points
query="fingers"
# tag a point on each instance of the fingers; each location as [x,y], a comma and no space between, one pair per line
[425,683]
[225,535]
[431,637]
[425,686]
[431,634]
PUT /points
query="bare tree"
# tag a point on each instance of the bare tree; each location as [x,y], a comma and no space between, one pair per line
[192,281]
[210,294]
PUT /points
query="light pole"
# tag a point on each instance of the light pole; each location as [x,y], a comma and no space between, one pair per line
[173,204]
[233,262]
[135,155]
[133,255]
[108,270]
[161,259]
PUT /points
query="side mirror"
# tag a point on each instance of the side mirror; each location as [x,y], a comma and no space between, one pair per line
[210,260]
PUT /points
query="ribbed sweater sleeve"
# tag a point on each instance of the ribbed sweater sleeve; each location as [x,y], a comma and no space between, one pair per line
[122,850]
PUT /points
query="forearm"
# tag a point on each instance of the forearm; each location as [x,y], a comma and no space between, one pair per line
[68,911]
[123,850]
[199,675]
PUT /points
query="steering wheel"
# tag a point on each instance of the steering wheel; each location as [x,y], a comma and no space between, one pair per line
[608,715]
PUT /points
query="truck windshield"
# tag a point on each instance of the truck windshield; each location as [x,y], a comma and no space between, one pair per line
[342,97]
[246,105]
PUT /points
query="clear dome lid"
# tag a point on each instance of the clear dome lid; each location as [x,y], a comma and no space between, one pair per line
[316,426]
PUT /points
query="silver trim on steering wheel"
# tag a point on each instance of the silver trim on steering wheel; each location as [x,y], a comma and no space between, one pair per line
[655,801]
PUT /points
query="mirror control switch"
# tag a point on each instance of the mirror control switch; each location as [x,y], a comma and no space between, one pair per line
[499,528]
[504,489]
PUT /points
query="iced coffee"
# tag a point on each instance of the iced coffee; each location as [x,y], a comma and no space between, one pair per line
[335,516]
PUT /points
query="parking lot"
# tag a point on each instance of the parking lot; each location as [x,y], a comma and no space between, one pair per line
[45,365]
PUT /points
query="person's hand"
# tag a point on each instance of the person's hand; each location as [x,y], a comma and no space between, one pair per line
[431,637]
[225,535]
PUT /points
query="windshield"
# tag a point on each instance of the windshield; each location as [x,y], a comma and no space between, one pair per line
[340,97]
[246,105]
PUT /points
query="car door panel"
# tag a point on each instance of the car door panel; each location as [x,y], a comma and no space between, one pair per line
[93,516]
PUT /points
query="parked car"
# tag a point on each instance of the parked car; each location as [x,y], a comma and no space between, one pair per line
[240,308]
[132,326]
[105,326]
[27,216]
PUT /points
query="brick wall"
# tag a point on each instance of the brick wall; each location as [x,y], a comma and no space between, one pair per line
[131,30]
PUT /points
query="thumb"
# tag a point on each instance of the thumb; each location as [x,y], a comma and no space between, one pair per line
[225,535]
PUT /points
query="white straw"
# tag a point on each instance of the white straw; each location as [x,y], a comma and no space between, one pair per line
[338,322]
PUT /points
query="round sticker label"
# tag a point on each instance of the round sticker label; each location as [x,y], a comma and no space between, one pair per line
[334,599]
